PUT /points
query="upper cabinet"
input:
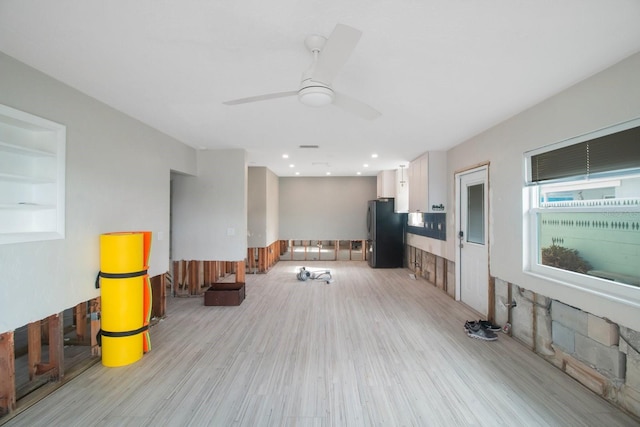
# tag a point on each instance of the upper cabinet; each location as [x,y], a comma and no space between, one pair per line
[32,172]
[386,184]
[394,183]
[428,182]
[402,189]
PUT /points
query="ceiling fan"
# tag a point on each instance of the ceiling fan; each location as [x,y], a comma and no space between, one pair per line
[329,56]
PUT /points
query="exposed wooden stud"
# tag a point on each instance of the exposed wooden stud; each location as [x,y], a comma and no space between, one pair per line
[94,309]
[491,314]
[158,293]
[7,373]
[212,274]
[44,331]
[177,275]
[81,321]
[34,344]
[269,257]
[445,275]
[194,275]
[163,296]
[231,268]
[251,258]
[56,346]
[240,271]
[183,276]
[262,259]
[206,273]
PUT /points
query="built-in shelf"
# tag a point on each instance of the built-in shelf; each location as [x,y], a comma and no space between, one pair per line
[26,206]
[12,148]
[32,177]
[25,178]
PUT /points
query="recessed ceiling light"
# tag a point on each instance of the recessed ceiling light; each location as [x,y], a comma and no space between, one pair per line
[358,173]
[285,156]
[374,156]
[292,165]
[365,165]
[328,173]
[297,173]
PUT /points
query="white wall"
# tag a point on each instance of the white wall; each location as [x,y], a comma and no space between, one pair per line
[210,210]
[325,208]
[610,97]
[257,207]
[117,179]
[262,204]
[273,208]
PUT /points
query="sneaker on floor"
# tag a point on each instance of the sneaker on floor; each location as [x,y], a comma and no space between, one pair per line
[476,331]
[490,326]
[469,324]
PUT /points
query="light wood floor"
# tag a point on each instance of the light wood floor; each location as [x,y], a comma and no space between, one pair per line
[374,347]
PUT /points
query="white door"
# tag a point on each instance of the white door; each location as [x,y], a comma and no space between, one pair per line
[472,254]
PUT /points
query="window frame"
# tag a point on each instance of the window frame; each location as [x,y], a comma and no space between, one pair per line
[619,292]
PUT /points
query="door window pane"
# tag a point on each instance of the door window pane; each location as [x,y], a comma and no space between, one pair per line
[475,214]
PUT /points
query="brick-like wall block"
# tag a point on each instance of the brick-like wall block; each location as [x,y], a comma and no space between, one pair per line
[570,317]
[608,360]
[563,337]
[602,331]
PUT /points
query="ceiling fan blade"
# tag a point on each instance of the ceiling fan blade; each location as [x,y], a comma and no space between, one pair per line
[356,107]
[261,98]
[335,53]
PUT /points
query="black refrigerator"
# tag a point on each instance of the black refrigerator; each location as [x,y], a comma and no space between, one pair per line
[385,234]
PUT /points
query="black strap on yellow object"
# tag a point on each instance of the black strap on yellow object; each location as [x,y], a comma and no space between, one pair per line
[118,276]
[102,333]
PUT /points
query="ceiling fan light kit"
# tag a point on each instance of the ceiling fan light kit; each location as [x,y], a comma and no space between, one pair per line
[316,96]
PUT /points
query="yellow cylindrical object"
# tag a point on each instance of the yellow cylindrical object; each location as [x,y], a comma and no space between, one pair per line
[121,252]
[122,298]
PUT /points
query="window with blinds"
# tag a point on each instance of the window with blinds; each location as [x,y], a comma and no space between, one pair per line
[584,211]
[615,152]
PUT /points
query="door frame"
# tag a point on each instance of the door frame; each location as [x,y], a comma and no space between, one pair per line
[457,176]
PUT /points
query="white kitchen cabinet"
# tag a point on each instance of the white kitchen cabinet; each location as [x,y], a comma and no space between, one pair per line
[32,172]
[428,183]
[386,184]
[394,183]
[402,190]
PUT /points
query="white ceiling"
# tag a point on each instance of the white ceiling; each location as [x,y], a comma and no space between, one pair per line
[439,71]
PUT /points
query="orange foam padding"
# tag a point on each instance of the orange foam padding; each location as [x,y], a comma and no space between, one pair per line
[146,240]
